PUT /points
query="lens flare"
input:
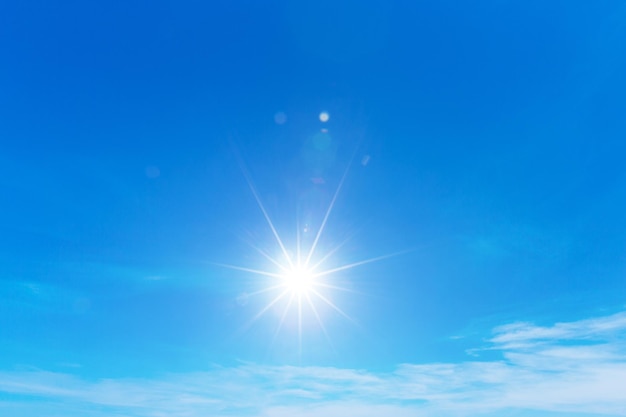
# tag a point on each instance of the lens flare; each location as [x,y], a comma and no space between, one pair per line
[301,283]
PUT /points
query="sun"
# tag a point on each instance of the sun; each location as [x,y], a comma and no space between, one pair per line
[299,280]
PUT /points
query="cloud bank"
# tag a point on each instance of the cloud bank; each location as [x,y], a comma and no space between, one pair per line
[574,368]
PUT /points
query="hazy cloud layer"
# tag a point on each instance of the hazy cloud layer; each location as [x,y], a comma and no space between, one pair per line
[574,367]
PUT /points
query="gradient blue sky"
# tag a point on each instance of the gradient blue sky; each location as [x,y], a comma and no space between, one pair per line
[482,143]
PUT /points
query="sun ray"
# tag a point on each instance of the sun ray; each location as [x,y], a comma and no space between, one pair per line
[298,242]
[269,305]
[335,287]
[319,321]
[262,207]
[253,271]
[282,317]
[268,289]
[268,257]
[300,325]
[330,303]
[359,263]
[330,209]
[330,253]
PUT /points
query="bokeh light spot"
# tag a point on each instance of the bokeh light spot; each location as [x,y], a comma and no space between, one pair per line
[280,118]
[153,172]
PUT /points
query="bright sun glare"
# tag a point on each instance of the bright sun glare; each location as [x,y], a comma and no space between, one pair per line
[299,281]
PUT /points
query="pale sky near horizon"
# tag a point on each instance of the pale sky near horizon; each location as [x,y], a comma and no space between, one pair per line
[332,208]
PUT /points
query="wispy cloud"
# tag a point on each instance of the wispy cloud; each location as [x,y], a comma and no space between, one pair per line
[596,328]
[573,367]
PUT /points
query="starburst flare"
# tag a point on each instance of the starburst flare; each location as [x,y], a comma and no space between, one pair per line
[298,280]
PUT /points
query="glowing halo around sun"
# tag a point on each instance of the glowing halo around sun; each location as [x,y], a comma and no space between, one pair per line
[298,281]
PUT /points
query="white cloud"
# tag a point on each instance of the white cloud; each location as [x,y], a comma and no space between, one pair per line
[574,367]
[579,330]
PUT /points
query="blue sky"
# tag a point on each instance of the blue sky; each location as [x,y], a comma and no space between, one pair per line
[465,199]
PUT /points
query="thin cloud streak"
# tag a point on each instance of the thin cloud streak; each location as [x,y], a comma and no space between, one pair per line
[574,367]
